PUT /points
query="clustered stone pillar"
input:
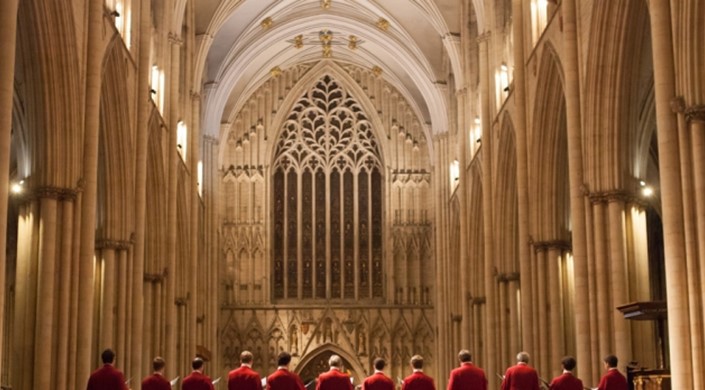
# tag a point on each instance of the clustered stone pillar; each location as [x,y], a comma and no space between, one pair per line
[672,197]
[8,32]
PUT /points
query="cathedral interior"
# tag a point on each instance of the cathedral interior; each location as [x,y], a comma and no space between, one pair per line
[366,178]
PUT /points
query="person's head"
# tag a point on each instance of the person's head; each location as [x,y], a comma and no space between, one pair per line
[464,356]
[379,364]
[335,361]
[611,361]
[417,362]
[108,356]
[283,359]
[197,364]
[158,364]
[246,357]
[568,363]
[523,357]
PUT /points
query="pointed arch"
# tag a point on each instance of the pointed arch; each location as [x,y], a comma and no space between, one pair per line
[115,165]
[549,152]
[507,217]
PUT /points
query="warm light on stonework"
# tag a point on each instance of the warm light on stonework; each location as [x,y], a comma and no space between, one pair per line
[383,24]
[266,23]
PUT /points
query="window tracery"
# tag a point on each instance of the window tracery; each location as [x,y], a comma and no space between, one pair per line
[327,194]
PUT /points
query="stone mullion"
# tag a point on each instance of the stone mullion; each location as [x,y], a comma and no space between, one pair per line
[314,232]
[534,335]
[370,260]
[341,225]
[328,206]
[121,310]
[672,196]
[356,235]
[8,42]
[299,236]
[285,239]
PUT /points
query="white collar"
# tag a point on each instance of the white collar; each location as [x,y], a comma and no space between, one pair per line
[418,369]
[522,364]
[612,368]
[378,371]
[246,365]
[334,368]
[283,368]
[567,372]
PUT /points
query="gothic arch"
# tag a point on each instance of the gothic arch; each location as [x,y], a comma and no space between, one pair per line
[356,370]
[115,192]
[51,91]
[507,219]
[346,82]
[549,150]
[613,82]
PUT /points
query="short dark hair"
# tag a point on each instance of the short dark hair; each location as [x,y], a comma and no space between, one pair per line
[283,359]
[417,362]
[108,356]
[568,363]
[379,364]
[611,361]
[465,356]
[158,363]
[246,357]
[197,363]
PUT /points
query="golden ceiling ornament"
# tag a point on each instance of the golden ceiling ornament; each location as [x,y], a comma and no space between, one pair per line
[275,72]
[266,23]
[325,4]
[325,36]
[376,70]
[352,42]
[383,24]
[299,41]
[327,50]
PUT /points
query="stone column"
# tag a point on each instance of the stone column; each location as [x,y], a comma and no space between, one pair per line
[541,359]
[137,344]
[602,270]
[171,320]
[487,216]
[66,272]
[618,276]
[463,200]
[107,302]
[519,119]
[555,255]
[94,67]
[577,202]
[45,291]
[671,195]
[8,32]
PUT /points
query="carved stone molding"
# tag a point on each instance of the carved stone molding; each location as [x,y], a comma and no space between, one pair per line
[678,104]
[112,244]
[615,196]
[551,244]
[508,277]
[49,193]
[695,113]
[175,39]
[484,37]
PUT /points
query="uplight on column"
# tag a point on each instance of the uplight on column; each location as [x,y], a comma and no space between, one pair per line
[475,136]
[16,188]
[181,138]
[199,177]
[454,174]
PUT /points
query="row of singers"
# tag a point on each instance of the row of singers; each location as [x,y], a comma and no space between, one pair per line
[466,377]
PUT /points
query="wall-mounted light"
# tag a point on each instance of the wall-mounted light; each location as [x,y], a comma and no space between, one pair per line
[17,187]
[647,191]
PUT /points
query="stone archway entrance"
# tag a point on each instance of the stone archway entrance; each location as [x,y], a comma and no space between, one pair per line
[318,363]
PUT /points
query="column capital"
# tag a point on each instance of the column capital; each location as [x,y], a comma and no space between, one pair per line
[695,113]
[540,246]
[51,192]
[174,39]
[678,104]
[112,244]
[484,37]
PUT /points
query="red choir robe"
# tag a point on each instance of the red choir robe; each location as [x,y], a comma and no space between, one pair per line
[378,381]
[283,379]
[156,381]
[418,381]
[520,377]
[197,381]
[107,378]
[244,378]
[567,381]
[334,379]
[613,380]
[467,376]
